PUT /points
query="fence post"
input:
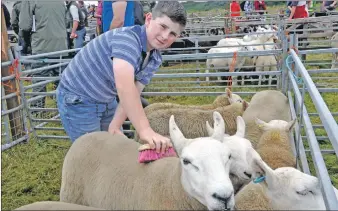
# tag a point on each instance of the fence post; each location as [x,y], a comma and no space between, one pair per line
[15,120]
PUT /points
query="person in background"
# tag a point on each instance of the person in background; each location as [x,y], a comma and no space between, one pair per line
[98,16]
[24,36]
[235,9]
[75,22]
[84,10]
[116,14]
[48,35]
[328,5]
[260,7]
[138,13]
[7,16]
[298,10]
[248,8]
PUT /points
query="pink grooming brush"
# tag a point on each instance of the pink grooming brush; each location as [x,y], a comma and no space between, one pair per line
[147,155]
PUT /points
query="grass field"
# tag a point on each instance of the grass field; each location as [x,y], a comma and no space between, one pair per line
[32,172]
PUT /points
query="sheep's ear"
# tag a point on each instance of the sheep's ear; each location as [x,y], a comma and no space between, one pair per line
[210,130]
[240,127]
[228,93]
[290,125]
[245,105]
[176,136]
[261,172]
[219,126]
[261,124]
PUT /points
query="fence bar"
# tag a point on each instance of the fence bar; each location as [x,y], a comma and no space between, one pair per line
[329,196]
[327,119]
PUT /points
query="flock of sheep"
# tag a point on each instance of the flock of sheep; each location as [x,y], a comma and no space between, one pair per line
[264,38]
[231,155]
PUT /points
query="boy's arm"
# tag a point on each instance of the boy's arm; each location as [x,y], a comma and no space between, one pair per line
[120,116]
[131,104]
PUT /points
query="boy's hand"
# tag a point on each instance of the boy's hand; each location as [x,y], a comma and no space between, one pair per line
[115,130]
[155,140]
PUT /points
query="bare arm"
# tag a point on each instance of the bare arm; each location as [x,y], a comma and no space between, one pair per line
[119,9]
[120,116]
[130,101]
[293,10]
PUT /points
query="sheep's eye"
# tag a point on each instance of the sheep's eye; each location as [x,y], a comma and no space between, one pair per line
[229,157]
[304,192]
[186,161]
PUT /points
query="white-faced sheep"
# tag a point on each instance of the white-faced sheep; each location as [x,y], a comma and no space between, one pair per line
[220,101]
[101,170]
[240,169]
[192,121]
[225,63]
[284,188]
[266,105]
[55,205]
[274,145]
[334,44]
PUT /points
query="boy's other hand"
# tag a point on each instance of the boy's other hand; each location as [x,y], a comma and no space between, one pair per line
[114,130]
[155,140]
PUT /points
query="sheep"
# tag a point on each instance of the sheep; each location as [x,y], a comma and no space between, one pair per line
[240,170]
[265,63]
[192,121]
[55,205]
[274,144]
[266,105]
[101,170]
[220,101]
[225,62]
[334,44]
[285,188]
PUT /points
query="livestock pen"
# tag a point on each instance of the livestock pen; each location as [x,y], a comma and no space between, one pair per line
[32,170]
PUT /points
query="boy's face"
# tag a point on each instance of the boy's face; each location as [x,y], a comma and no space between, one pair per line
[161,32]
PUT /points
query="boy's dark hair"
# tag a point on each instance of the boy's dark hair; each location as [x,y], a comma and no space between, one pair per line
[173,9]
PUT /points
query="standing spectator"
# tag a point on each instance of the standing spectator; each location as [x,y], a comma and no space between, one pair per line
[116,14]
[260,6]
[24,36]
[138,13]
[298,10]
[328,5]
[235,9]
[248,7]
[48,35]
[84,10]
[7,16]
[288,10]
[75,24]
[98,16]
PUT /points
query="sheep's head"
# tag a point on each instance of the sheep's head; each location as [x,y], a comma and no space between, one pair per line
[239,147]
[275,125]
[205,166]
[233,98]
[287,187]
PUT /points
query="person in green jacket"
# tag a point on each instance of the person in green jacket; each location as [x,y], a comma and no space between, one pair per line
[46,22]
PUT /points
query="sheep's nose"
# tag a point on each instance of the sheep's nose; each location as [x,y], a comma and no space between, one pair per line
[224,199]
[247,174]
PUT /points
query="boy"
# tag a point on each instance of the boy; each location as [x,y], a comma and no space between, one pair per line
[119,62]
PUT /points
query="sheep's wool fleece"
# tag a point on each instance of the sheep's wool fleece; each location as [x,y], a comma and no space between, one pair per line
[252,197]
[221,100]
[55,205]
[101,170]
[266,105]
[192,122]
[274,148]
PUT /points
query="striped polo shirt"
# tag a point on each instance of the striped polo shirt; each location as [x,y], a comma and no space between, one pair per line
[90,72]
